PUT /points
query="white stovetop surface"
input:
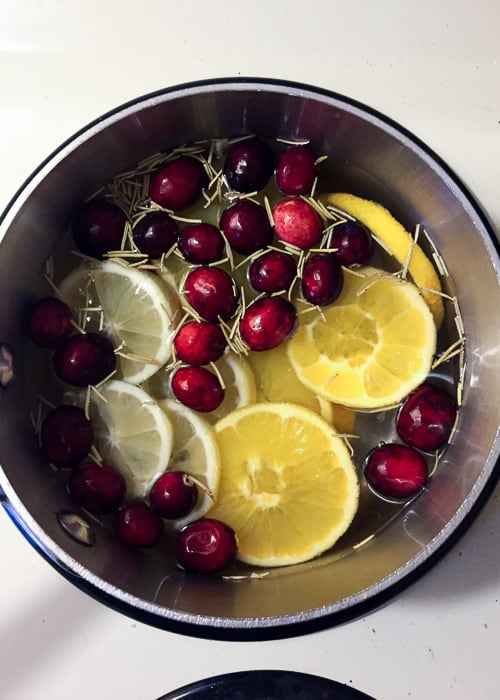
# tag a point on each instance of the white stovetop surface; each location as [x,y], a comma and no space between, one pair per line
[432,66]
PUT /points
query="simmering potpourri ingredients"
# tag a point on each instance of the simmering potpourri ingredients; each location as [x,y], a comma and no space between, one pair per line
[240,361]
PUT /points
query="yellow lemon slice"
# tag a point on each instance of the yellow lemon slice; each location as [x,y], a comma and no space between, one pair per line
[195,451]
[371,347]
[132,434]
[397,240]
[141,315]
[288,486]
[276,380]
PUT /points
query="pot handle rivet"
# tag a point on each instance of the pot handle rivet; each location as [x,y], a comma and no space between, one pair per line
[76,527]
[6,365]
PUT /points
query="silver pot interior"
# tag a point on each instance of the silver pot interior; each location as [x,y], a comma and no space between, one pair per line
[369,156]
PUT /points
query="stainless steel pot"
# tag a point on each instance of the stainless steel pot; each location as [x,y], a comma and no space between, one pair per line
[371,156]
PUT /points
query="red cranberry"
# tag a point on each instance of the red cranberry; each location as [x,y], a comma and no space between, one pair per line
[50,322]
[137,524]
[199,342]
[100,489]
[201,244]
[297,223]
[296,170]
[178,184]
[322,279]
[211,292]
[353,242]
[246,227]
[84,359]
[267,322]
[197,388]
[66,436]
[155,234]
[248,165]
[272,272]
[426,418]
[98,228]
[395,471]
[173,495]
[205,546]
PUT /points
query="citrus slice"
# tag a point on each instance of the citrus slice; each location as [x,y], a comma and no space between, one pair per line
[239,385]
[236,375]
[140,314]
[276,381]
[288,486]
[136,309]
[132,433]
[371,347]
[195,451]
[397,240]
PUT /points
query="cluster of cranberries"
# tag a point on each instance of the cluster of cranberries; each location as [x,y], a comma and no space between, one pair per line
[244,226]
[297,232]
[424,423]
[206,545]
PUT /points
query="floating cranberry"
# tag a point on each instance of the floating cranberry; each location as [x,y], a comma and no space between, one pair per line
[297,223]
[272,272]
[99,488]
[248,165]
[66,436]
[98,228]
[155,233]
[322,279]
[396,471]
[173,495]
[178,184]
[84,359]
[197,388]
[205,546]
[201,244]
[267,322]
[426,418]
[296,170]
[137,524]
[199,342]
[354,244]
[246,227]
[50,322]
[211,292]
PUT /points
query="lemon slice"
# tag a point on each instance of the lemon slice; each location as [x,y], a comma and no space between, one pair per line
[239,384]
[288,486]
[195,451]
[132,433]
[371,347]
[276,381]
[398,241]
[136,309]
[140,314]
